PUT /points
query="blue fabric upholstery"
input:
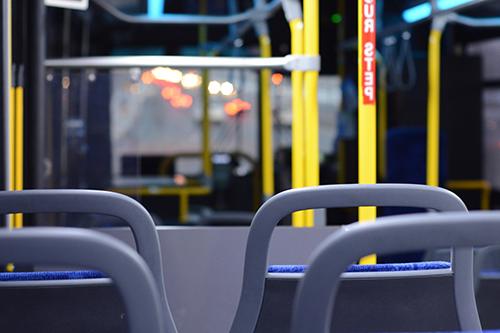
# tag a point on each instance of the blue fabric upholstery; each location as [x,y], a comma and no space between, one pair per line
[412,266]
[42,276]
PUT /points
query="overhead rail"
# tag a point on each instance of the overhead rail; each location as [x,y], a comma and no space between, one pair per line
[398,28]
[259,13]
[289,62]
[474,22]
[434,13]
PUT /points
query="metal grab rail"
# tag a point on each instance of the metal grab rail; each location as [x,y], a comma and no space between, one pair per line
[261,13]
[473,22]
[288,62]
[86,248]
[316,294]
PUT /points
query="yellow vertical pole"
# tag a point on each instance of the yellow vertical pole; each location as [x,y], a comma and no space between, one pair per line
[311,120]
[298,155]
[433,112]
[183,206]
[266,122]
[19,145]
[206,152]
[367,107]
[206,149]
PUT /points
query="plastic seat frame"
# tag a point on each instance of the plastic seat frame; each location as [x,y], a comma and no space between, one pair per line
[317,290]
[336,196]
[95,202]
[90,249]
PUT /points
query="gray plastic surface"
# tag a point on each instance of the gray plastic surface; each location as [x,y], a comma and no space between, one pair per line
[316,293]
[90,249]
[331,196]
[97,202]
[292,9]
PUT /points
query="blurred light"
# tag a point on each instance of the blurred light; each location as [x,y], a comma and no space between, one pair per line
[66,82]
[238,42]
[135,74]
[336,18]
[155,8]
[231,109]
[214,87]
[447,4]
[167,74]
[185,101]
[176,102]
[147,77]
[424,10]
[226,88]
[236,106]
[417,13]
[221,158]
[277,79]
[170,91]
[181,101]
[191,80]
[180,180]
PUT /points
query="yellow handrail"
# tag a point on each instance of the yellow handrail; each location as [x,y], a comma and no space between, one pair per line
[470,184]
[367,111]
[266,122]
[433,112]
[205,123]
[298,154]
[19,148]
[311,48]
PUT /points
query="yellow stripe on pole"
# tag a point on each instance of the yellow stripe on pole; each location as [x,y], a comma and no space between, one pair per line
[266,123]
[311,48]
[298,144]
[433,112]
[19,148]
[367,111]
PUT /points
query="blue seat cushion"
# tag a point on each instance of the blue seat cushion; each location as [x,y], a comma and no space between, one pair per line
[56,275]
[411,266]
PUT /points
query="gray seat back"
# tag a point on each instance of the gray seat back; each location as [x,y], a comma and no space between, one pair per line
[97,202]
[318,289]
[333,196]
[86,248]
